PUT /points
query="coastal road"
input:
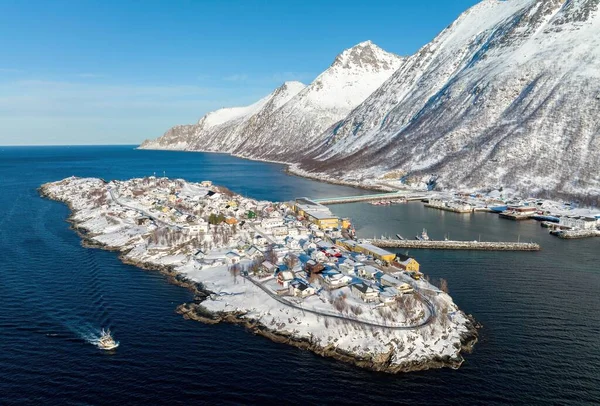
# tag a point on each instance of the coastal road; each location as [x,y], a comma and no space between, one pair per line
[422,323]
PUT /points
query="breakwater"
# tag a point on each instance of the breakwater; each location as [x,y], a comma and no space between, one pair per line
[369,198]
[457,245]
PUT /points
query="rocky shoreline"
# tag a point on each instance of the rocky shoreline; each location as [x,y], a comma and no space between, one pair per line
[381,362]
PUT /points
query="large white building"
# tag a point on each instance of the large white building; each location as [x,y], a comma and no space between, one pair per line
[580,223]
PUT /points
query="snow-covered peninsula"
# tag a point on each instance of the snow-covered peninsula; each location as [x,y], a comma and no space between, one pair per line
[292,272]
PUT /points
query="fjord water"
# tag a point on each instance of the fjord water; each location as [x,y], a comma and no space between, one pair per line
[541,311]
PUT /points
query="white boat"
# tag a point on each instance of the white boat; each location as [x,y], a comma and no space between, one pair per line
[106,341]
[423,236]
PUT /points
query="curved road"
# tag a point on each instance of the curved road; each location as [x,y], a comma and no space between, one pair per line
[423,323]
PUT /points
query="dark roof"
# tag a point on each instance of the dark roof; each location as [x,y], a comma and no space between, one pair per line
[361,286]
[402,257]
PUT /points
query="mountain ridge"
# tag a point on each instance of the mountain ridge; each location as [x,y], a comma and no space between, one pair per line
[506,95]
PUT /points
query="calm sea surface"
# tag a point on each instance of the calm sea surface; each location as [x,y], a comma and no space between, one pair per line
[541,311]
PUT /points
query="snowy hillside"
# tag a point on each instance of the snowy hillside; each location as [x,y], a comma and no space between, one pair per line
[509,94]
[272,126]
[350,79]
[224,129]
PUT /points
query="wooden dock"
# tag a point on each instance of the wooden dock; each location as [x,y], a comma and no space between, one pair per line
[457,245]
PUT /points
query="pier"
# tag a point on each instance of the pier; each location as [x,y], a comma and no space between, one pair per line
[368,198]
[457,245]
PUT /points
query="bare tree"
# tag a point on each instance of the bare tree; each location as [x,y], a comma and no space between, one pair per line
[443,285]
[291,261]
[235,270]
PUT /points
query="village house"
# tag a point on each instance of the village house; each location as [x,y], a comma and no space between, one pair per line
[271,222]
[318,256]
[388,296]
[336,280]
[292,243]
[369,272]
[364,292]
[406,263]
[300,288]
[254,253]
[285,277]
[269,267]
[232,258]
[196,229]
[279,231]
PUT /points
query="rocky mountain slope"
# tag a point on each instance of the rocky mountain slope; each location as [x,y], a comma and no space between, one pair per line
[225,129]
[271,127]
[507,95]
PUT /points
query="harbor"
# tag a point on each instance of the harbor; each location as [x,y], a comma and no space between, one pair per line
[456,245]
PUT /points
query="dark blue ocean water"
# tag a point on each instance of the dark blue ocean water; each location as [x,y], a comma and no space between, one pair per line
[541,311]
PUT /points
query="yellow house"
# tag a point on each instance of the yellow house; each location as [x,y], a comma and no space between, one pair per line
[376,252]
[407,263]
[324,221]
[346,223]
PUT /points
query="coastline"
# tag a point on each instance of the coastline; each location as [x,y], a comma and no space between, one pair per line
[292,169]
[381,362]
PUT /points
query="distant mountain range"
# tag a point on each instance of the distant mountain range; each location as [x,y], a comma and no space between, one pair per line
[507,95]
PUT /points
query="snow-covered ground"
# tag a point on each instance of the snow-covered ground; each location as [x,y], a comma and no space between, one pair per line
[417,331]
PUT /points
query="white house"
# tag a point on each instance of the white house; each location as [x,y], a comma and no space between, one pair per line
[195,229]
[368,271]
[365,292]
[284,278]
[254,252]
[301,288]
[271,222]
[279,231]
[337,280]
[318,256]
[232,258]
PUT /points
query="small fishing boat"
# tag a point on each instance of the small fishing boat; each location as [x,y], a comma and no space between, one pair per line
[106,341]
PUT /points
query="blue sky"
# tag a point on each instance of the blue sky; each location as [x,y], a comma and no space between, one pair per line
[118,72]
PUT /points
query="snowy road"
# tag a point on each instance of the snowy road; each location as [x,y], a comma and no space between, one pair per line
[142,212]
[423,323]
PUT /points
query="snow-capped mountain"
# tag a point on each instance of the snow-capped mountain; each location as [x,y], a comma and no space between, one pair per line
[350,79]
[509,94]
[271,130]
[224,129]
